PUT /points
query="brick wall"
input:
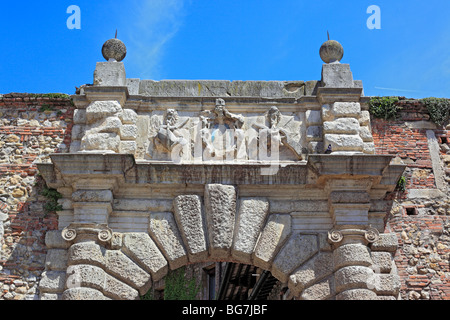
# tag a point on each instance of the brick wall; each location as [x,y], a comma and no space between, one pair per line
[31,128]
[421,220]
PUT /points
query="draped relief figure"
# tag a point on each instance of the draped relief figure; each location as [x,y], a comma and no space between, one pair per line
[222,134]
[169,135]
[272,136]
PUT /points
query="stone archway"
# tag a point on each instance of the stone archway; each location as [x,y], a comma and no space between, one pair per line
[342,264]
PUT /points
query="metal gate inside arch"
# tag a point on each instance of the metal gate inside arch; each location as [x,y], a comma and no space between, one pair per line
[278,175]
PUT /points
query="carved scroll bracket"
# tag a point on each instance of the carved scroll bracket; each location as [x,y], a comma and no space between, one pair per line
[79,232]
[338,237]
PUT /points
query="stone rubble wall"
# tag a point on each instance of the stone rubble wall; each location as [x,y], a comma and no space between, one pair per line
[420,216]
[31,128]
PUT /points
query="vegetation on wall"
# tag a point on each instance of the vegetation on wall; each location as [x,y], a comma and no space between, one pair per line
[388,108]
[52,197]
[401,184]
[177,287]
[439,109]
[384,107]
[50,95]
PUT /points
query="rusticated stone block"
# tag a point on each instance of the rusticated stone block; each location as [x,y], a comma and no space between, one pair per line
[327,113]
[50,296]
[382,261]
[322,290]
[100,142]
[344,142]
[86,253]
[385,284]
[108,125]
[353,277]
[220,210]
[128,132]
[276,231]
[298,249]
[369,148]
[124,269]
[56,260]
[79,116]
[165,233]
[118,290]
[352,254]
[347,109]
[251,219]
[365,134]
[128,147]
[364,119]
[342,125]
[99,110]
[54,240]
[52,281]
[128,116]
[96,278]
[386,242]
[357,294]
[83,294]
[189,217]
[143,250]
[319,267]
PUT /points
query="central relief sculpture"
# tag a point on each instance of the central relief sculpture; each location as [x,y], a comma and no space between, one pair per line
[221,136]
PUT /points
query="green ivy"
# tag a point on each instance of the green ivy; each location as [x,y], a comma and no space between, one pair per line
[384,107]
[51,95]
[177,287]
[52,200]
[45,107]
[439,109]
[401,184]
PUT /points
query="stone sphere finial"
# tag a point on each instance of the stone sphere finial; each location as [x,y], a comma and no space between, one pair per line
[114,50]
[331,51]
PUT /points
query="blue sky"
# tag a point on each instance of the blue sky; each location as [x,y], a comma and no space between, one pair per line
[227,40]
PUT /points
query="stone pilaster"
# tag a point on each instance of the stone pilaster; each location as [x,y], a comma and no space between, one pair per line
[92,206]
[352,263]
[349,205]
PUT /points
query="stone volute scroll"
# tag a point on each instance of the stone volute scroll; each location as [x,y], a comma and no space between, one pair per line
[342,236]
[77,232]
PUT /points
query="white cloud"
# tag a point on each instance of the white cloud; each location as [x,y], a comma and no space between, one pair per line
[150,25]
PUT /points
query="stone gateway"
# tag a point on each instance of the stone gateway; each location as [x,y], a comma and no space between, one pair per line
[165,174]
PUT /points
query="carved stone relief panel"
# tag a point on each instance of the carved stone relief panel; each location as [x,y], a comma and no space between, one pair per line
[219,135]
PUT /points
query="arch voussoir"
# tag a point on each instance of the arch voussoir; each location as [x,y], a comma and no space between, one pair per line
[143,250]
[298,249]
[164,231]
[251,217]
[188,211]
[275,233]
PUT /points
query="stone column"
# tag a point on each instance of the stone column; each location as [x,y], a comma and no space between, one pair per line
[349,204]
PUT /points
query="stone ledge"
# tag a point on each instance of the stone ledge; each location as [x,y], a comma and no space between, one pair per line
[124,169]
